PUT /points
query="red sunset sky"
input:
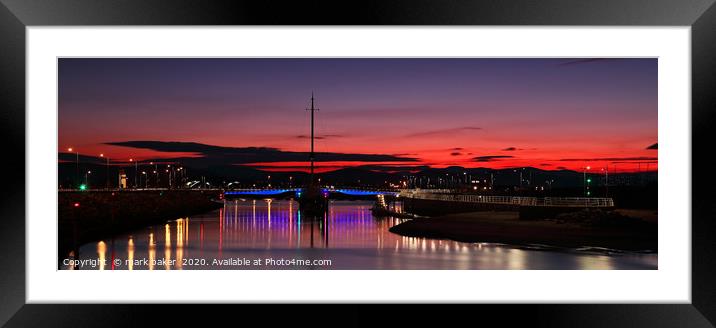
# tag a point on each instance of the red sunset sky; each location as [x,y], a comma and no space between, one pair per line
[470,112]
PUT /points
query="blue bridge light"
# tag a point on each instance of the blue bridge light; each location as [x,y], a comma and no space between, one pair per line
[298,191]
[258,192]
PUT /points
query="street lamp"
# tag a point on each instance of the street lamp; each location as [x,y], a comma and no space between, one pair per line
[170,175]
[144,173]
[606,181]
[156,175]
[521,178]
[87,178]
[77,164]
[136,172]
[106,170]
[181,176]
[584,180]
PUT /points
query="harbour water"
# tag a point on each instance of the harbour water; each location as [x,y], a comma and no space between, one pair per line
[272,234]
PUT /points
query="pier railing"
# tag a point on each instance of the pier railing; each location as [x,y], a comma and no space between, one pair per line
[519,201]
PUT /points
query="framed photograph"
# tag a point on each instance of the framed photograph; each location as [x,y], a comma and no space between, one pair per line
[401,152]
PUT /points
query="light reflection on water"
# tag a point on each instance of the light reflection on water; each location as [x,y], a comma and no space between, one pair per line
[348,235]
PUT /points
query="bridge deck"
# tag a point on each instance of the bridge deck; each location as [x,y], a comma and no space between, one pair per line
[277,191]
[442,195]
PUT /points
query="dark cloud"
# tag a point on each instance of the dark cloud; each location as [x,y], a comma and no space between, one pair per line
[490,158]
[457,149]
[444,131]
[626,159]
[654,146]
[457,153]
[516,149]
[218,155]
[545,164]
[394,168]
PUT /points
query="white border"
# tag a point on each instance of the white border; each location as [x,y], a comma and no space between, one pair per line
[670,283]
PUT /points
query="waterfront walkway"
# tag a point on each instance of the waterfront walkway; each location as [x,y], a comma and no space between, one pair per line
[510,200]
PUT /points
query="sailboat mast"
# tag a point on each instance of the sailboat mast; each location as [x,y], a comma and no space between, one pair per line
[312,155]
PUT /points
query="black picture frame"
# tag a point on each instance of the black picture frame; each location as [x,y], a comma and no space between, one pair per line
[700,15]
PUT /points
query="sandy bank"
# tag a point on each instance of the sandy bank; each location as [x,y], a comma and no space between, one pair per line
[505,227]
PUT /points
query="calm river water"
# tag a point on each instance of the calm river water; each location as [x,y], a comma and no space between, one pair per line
[271,234]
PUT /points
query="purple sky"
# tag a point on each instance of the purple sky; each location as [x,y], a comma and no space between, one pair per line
[471,112]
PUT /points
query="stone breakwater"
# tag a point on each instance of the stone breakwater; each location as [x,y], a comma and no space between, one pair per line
[84,216]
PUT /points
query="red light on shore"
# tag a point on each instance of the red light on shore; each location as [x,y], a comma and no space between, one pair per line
[76,204]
